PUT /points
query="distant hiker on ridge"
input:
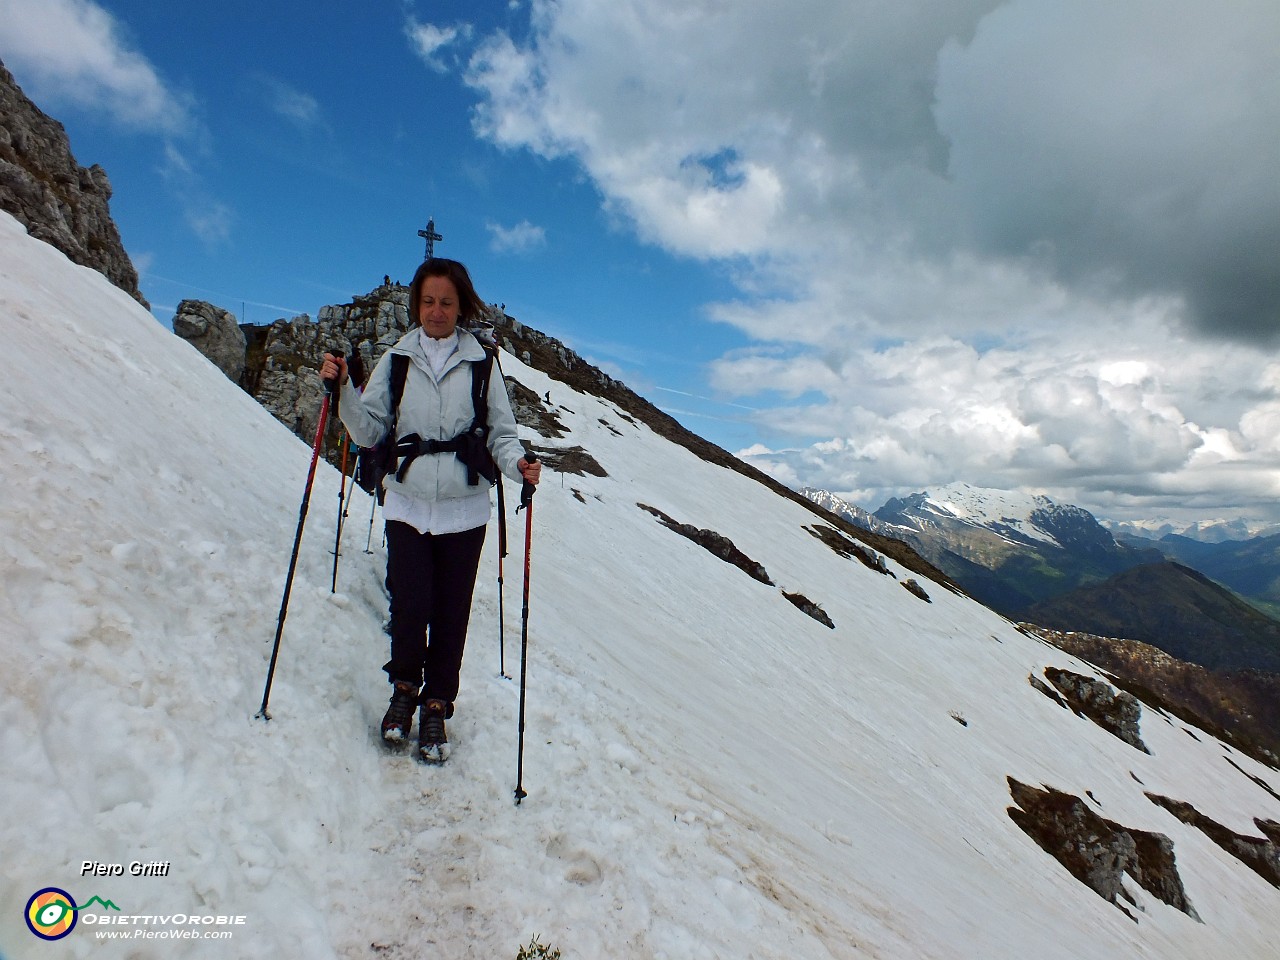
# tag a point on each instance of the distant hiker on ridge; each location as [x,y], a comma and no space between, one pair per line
[451,425]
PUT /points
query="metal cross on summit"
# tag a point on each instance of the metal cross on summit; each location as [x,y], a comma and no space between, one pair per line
[431,237]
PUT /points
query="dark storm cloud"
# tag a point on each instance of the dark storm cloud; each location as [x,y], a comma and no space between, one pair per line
[1129,148]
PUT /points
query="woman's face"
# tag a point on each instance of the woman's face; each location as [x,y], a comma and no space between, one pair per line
[438,307]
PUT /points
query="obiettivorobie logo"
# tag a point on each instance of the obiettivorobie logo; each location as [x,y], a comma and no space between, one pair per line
[52,913]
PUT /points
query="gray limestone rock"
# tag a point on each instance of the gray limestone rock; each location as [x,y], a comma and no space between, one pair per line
[215,333]
[1116,711]
[57,200]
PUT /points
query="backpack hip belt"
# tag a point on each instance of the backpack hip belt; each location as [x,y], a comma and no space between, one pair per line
[469,447]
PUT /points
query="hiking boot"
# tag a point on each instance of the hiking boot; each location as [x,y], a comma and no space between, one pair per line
[433,742]
[399,716]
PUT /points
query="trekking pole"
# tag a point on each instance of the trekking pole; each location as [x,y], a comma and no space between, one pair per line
[342,513]
[355,373]
[502,552]
[526,504]
[297,542]
[373,508]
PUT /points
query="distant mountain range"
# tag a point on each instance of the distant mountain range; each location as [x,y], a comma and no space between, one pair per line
[1203,531]
[1032,559]
[1007,550]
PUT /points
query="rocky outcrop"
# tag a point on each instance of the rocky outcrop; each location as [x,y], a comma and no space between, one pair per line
[1098,852]
[849,549]
[803,603]
[529,408]
[57,200]
[572,459]
[913,587]
[1239,707]
[714,543]
[1259,854]
[1116,711]
[214,332]
[281,371]
[278,364]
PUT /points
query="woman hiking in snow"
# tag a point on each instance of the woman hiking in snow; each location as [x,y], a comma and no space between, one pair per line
[436,506]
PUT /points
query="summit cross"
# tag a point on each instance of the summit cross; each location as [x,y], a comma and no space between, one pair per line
[431,237]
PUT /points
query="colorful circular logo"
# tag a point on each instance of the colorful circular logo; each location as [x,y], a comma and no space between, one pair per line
[51,913]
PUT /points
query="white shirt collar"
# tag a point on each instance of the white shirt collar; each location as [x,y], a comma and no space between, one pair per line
[438,351]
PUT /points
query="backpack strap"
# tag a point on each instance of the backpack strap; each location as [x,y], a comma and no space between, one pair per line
[399,373]
[478,459]
[480,375]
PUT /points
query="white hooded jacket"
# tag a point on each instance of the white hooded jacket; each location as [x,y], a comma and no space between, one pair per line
[435,408]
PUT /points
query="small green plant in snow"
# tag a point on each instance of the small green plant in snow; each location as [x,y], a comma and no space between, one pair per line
[537,951]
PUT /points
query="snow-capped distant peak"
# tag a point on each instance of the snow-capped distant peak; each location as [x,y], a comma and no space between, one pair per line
[984,505]
[850,511]
[1017,517]
[999,510]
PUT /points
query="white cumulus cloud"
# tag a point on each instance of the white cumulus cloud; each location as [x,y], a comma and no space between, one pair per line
[429,41]
[1012,242]
[519,238]
[75,51]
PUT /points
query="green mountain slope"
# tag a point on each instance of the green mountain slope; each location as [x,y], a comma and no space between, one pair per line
[1250,568]
[1174,608]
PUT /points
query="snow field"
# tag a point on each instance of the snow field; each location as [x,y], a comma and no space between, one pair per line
[711,773]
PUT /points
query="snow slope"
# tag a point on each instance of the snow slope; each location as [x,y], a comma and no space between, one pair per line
[711,773]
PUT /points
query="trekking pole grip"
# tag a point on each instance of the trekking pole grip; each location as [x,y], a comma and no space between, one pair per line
[331,391]
[355,369]
[527,489]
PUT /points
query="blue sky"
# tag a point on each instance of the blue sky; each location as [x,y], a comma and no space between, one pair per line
[1019,244]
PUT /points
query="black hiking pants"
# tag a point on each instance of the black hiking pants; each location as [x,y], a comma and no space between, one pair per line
[431,578]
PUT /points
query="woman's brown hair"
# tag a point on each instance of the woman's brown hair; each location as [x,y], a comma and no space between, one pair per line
[470,306]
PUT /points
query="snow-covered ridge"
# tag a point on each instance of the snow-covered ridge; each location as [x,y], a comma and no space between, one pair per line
[850,511]
[997,510]
[710,771]
[1035,517]
[1012,515]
